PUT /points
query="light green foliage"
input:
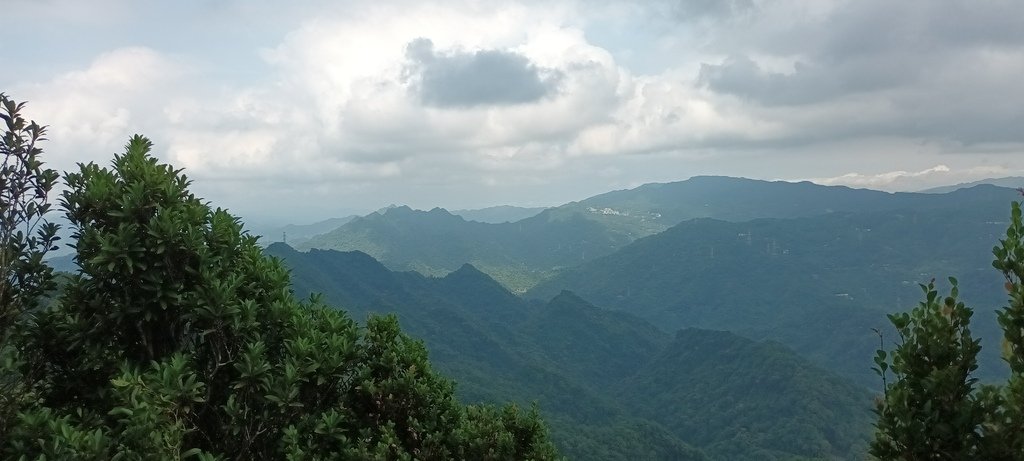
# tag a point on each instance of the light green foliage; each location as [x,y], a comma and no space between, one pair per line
[179,339]
[933,410]
[930,411]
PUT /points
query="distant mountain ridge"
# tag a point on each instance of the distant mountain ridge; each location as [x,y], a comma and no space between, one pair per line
[297,233]
[1012,182]
[436,242]
[594,372]
[520,254]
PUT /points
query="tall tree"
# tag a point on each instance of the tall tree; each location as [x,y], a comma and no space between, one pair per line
[25,237]
[180,338]
[1008,423]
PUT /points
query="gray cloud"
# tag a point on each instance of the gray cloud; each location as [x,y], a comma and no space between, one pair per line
[912,69]
[487,77]
[807,83]
[711,9]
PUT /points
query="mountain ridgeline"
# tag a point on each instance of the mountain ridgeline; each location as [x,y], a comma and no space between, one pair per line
[715,317]
[524,253]
[600,376]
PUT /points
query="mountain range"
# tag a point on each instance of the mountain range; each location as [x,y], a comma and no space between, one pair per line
[599,376]
[1012,182]
[818,284]
[712,318]
[524,253]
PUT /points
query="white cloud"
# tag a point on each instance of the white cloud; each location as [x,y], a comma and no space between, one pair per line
[938,175]
[93,111]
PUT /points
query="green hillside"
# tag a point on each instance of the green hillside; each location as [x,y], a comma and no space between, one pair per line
[817,284]
[584,366]
[781,406]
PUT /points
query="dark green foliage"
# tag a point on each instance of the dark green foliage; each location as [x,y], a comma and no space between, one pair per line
[930,410]
[743,400]
[179,338]
[25,238]
[611,385]
[25,235]
[1007,420]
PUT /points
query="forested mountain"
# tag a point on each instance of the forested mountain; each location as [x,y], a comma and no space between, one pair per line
[818,284]
[782,407]
[523,253]
[595,372]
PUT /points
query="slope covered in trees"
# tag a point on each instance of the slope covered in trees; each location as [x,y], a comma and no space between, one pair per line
[783,407]
[178,338]
[816,284]
[598,374]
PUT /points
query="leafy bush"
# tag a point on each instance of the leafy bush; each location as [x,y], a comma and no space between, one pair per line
[933,410]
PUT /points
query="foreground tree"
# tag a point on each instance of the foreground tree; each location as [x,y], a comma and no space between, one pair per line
[933,411]
[178,338]
[25,238]
[930,411]
[1008,421]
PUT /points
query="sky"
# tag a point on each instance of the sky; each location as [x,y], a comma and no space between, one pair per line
[300,111]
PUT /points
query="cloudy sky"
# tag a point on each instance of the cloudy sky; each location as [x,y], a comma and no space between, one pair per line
[305,110]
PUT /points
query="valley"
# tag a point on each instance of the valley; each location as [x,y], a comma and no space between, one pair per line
[651,313]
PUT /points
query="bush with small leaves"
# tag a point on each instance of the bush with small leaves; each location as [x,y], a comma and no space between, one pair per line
[930,411]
